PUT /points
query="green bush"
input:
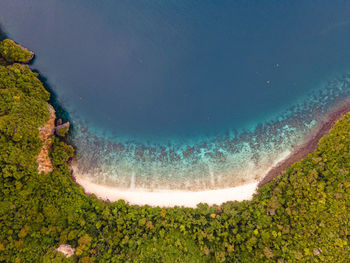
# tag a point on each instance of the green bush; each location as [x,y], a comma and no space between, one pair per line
[61,152]
[13,52]
[52,256]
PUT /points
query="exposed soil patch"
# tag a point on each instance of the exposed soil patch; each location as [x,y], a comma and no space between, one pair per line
[46,133]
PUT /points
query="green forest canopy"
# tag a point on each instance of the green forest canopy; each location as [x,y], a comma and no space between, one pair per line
[300,216]
[13,52]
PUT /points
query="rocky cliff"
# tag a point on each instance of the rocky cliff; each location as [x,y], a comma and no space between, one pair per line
[46,133]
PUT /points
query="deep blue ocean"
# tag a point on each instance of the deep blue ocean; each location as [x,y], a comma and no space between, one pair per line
[186,94]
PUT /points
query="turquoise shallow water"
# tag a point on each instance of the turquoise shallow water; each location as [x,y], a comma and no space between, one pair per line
[186,94]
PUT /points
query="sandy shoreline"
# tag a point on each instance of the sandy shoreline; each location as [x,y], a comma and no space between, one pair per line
[168,198]
[171,198]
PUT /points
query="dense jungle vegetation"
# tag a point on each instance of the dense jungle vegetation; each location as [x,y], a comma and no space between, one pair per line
[302,216]
[13,52]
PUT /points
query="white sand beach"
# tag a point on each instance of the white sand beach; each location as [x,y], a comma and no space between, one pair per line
[171,198]
[168,198]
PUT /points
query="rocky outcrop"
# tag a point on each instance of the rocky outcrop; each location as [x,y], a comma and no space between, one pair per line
[46,133]
[62,129]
